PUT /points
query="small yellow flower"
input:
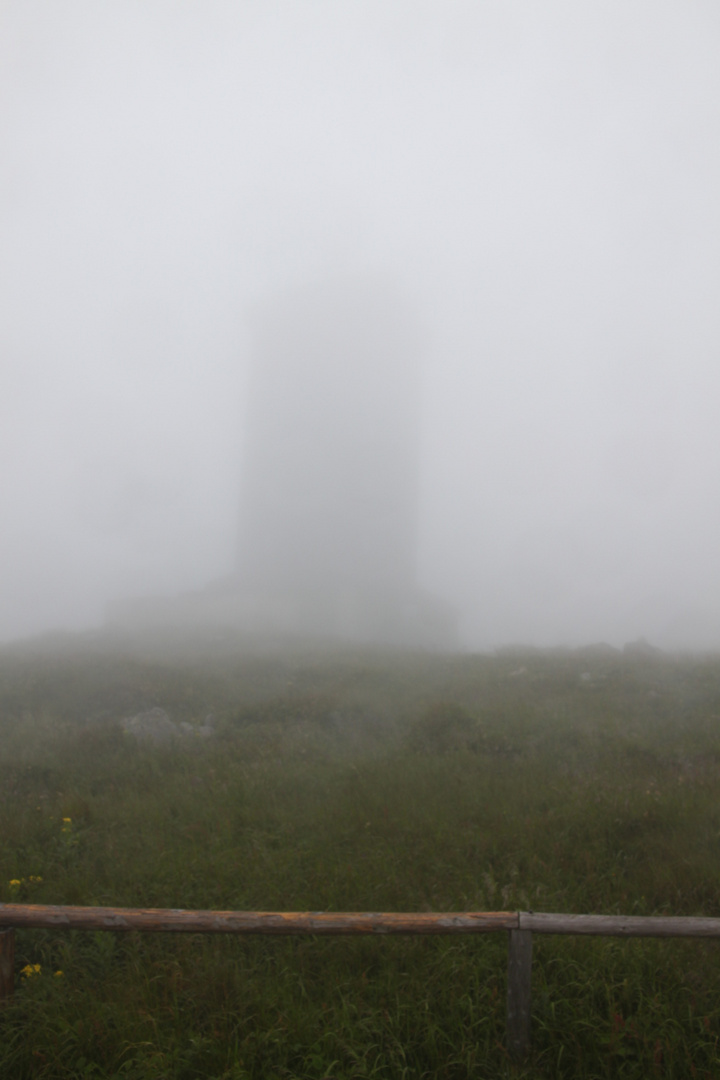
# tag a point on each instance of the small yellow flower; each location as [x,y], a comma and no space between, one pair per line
[58,974]
[15,883]
[67,820]
[36,878]
[31,969]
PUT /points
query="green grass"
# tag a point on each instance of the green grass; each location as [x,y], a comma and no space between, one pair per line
[556,782]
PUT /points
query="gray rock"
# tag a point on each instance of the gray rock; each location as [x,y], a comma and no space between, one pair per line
[154,725]
[207,729]
[641,648]
[599,650]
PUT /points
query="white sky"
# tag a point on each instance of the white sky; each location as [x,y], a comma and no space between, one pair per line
[542,178]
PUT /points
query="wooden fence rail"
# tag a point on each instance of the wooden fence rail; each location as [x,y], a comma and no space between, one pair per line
[520,925]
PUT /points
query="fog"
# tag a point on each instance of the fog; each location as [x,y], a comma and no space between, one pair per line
[535,183]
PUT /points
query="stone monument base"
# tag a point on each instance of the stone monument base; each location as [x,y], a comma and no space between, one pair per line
[400,618]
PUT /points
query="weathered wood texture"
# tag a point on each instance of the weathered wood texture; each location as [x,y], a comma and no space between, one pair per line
[620,925]
[7,964]
[519,996]
[321,922]
[253,922]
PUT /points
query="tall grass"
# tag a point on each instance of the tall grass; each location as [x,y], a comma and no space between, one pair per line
[555,782]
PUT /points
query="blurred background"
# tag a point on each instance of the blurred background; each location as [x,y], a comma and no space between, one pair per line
[538,182]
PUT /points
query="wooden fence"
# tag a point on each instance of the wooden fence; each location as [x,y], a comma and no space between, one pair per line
[520,926]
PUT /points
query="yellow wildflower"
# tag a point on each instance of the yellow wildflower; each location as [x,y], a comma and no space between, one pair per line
[67,820]
[58,974]
[31,969]
[36,878]
[15,883]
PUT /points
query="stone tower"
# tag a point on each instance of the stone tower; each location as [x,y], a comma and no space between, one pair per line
[329,517]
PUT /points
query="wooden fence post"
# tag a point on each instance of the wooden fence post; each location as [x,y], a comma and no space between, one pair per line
[519,993]
[7,964]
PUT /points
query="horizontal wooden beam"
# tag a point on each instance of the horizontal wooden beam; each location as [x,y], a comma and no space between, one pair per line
[621,925]
[253,922]
[61,917]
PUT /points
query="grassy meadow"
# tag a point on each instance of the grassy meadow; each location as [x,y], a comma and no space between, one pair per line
[581,781]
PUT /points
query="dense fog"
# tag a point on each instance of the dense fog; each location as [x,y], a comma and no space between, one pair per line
[412,299]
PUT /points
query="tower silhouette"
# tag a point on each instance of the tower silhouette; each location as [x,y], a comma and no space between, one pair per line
[329,514]
[330,485]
